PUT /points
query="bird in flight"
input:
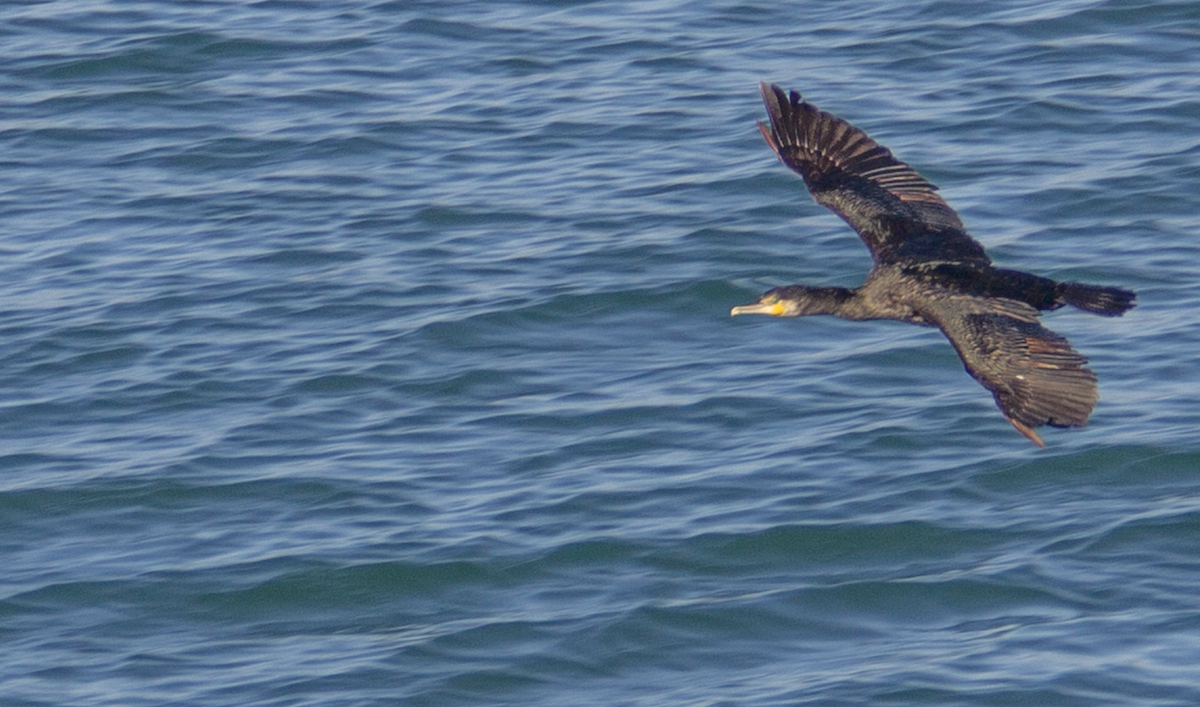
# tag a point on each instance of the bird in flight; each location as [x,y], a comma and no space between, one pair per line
[929,271]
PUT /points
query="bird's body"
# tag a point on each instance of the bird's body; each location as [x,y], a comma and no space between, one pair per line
[929,271]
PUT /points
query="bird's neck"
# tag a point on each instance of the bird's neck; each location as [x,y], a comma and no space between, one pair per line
[844,303]
[859,304]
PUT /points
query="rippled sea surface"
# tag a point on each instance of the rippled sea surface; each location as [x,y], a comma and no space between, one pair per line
[379,353]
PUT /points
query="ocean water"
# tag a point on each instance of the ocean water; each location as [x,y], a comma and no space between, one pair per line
[378,353]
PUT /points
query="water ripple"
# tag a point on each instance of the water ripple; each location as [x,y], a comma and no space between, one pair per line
[364,353]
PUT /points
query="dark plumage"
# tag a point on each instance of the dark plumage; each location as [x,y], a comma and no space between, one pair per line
[929,271]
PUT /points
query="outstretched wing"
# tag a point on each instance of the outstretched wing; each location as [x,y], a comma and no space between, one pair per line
[896,212]
[1034,374]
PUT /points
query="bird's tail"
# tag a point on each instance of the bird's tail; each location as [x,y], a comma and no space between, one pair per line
[1108,301]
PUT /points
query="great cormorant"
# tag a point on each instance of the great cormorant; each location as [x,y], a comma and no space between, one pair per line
[929,271]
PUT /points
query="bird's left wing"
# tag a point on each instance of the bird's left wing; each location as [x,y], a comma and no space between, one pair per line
[1033,373]
[896,211]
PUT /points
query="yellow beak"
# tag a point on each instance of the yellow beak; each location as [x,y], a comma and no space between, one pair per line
[774,309]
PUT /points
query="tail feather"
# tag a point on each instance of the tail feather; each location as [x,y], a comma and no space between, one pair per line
[1098,299]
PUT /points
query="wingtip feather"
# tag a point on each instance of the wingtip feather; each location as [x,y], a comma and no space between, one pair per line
[1027,431]
[768,136]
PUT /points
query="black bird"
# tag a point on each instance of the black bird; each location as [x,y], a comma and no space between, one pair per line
[929,271]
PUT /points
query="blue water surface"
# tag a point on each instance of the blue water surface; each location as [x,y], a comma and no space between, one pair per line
[378,353]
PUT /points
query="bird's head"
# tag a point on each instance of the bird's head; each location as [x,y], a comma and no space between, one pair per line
[796,301]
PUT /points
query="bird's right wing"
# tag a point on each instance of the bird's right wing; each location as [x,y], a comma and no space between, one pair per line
[895,210]
[1033,373]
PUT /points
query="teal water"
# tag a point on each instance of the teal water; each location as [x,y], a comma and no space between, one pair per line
[379,354]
